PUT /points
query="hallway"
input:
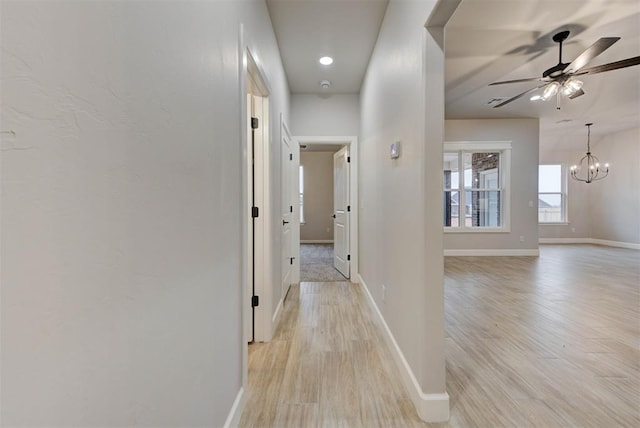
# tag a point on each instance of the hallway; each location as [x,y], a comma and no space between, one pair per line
[326,366]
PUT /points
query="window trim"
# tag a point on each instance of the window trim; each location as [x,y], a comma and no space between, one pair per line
[301,192]
[564,192]
[504,147]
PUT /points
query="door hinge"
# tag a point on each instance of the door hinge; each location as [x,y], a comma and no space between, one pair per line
[255,301]
[348,208]
[290,156]
[348,159]
[291,259]
[348,257]
[254,123]
[290,208]
[254,212]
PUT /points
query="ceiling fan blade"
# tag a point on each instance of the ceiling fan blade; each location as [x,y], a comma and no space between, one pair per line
[518,96]
[504,82]
[629,62]
[592,51]
[576,94]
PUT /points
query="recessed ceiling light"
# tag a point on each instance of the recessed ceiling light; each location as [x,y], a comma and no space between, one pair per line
[326,60]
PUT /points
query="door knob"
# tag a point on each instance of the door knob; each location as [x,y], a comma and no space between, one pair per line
[284,222]
[334,216]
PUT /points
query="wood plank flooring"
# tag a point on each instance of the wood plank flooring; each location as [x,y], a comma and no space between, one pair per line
[552,341]
[327,366]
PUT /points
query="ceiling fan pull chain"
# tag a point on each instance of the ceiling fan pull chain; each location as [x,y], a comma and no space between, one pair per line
[558,100]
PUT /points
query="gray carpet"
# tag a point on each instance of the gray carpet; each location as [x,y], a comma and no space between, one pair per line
[316,263]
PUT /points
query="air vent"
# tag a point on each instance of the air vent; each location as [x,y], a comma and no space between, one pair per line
[495,100]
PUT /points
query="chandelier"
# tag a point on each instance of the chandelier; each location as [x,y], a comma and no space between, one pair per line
[589,168]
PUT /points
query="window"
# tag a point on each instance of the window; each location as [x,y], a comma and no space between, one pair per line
[475,191]
[301,192]
[552,196]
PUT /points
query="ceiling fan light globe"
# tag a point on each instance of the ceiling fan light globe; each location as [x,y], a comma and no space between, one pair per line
[572,86]
[550,90]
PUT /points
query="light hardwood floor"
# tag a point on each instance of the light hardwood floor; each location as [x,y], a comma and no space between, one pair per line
[552,341]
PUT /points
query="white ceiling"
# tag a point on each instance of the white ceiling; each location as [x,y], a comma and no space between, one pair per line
[494,40]
[486,41]
[309,29]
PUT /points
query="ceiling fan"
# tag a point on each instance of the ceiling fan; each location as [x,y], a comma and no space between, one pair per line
[561,78]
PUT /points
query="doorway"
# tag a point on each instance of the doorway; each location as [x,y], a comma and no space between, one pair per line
[328,213]
[258,265]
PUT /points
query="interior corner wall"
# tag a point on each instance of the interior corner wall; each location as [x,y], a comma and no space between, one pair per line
[325,114]
[121,209]
[318,196]
[524,137]
[615,201]
[392,194]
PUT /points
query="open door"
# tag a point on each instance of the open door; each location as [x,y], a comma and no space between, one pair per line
[341,211]
[287,248]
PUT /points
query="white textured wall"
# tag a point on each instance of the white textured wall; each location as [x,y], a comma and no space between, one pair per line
[398,248]
[318,196]
[121,209]
[325,114]
[524,137]
[615,201]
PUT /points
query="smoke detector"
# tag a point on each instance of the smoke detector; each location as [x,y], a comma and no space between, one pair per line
[325,84]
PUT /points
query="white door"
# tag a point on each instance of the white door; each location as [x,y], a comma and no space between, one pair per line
[341,211]
[295,189]
[286,240]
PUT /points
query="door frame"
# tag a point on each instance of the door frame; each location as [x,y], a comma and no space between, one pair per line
[341,211]
[352,143]
[251,70]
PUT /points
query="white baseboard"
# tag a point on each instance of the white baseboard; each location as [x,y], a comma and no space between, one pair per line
[564,241]
[490,252]
[316,241]
[605,242]
[233,419]
[616,244]
[430,407]
[276,315]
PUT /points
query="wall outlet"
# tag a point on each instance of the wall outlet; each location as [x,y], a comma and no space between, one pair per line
[573,230]
[384,292]
[521,238]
